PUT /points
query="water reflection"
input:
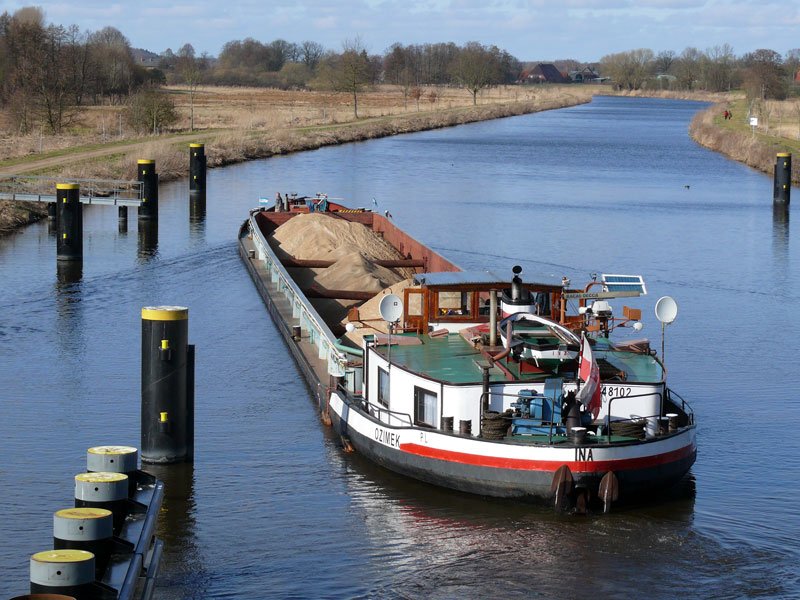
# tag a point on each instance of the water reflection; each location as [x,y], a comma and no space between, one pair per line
[447,544]
[148,239]
[68,272]
[780,231]
[197,214]
[197,206]
[182,566]
[69,296]
[123,220]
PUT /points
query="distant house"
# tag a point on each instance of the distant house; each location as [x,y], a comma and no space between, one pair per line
[145,57]
[543,73]
[585,75]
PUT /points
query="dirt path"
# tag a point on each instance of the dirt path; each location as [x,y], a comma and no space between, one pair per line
[77,156]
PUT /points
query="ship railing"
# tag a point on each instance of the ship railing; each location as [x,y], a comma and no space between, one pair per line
[377,410]
[685,406]
[319,334]
[380,412]
[608,420]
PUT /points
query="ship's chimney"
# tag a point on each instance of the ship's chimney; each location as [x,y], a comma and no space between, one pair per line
[516,284]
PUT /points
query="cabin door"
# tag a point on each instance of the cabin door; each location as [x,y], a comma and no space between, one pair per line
[414,300]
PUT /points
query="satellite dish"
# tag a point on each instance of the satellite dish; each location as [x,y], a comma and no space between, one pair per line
[666,309]
[391,308]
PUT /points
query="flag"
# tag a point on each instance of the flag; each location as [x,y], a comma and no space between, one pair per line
[589,372]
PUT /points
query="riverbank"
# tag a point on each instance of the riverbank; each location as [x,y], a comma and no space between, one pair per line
[753,146]
[240,126]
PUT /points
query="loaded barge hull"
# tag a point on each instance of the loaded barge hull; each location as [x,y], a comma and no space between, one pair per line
[347,386]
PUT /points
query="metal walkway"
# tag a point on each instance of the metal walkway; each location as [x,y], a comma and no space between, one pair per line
[108,192]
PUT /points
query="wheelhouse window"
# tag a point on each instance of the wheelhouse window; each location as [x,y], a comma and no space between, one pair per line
[426,407]
[383,387]
[454,304]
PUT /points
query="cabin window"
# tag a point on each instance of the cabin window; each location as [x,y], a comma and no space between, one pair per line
[454,303]
[425,407]
[414,304]
[383,387]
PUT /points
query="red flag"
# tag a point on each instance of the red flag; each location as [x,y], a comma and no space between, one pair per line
[589,372]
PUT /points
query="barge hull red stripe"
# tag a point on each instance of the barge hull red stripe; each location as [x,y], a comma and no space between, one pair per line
[623,464]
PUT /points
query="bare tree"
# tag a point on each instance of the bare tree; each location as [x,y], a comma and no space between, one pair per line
[310,54]
[629,70]
[150,110]
[191,71]
[664,61]
[349,71]
[475,67]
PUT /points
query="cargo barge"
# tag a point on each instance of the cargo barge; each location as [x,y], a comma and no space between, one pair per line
[476,381]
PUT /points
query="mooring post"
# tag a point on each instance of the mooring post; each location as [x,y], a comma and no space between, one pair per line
[783,178]
[103,490]
[115,459]
[167,376]
[149,180]
[197,169]
[89,529]
[67,572]
[69,222]
[51,211]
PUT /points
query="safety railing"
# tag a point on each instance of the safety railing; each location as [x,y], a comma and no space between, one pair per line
[319,334]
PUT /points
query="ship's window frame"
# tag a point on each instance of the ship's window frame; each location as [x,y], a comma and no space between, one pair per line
[462,311]
[420,395]
[383,394]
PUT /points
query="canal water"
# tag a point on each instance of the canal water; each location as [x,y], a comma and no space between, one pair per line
[272,508]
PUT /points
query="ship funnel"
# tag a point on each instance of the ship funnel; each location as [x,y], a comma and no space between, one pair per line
[516,284]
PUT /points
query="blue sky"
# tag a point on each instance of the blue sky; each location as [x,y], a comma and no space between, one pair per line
[530,29]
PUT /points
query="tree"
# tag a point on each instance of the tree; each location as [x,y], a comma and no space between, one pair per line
[476,67]
[310,54]
[115,69]
[191,71]
[150,110]
[719,68]
[629,70]
[764,75]
[398,69]
[664,61]
[348,72]
[688,68]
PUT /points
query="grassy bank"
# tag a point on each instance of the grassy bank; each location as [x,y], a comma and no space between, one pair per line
[240,126]
[735,138]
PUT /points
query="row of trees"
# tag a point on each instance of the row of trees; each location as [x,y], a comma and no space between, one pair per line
[48,71]
[764,73]
[472,66]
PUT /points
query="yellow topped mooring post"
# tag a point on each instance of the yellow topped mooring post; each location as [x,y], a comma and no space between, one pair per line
[67,572]
[197,169]
[167,385]
[148,177]
[69,222]
[783,179]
